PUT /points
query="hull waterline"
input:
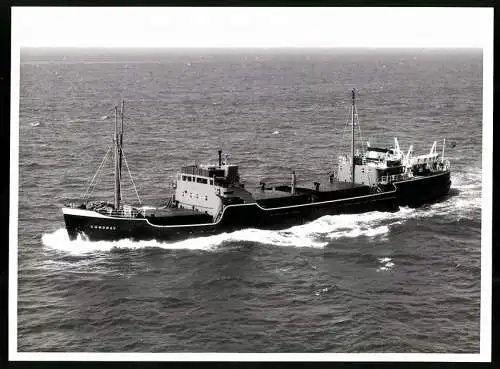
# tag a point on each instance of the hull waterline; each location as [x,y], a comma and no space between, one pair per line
[95,227]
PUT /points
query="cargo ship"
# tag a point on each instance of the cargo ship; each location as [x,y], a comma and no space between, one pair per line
[209,199]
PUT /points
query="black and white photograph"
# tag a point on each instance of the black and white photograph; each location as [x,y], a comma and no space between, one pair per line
[241,184]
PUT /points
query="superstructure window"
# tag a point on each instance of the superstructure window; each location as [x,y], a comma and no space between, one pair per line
[189,178]
[201,180]
[184,178]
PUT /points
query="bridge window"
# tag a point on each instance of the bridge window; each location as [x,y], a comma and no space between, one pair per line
[201,180]
[184,178]
[189,178]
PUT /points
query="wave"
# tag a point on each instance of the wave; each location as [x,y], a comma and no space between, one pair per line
[386,264]
[314,234]
[468,180]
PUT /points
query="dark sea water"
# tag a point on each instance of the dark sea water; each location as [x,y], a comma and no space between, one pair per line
[407,281]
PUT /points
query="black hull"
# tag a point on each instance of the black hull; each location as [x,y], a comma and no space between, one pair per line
[412,192]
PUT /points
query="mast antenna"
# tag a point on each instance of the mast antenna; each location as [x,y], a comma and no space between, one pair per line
[352,132]
[442,155]
[121,137]
[117,162]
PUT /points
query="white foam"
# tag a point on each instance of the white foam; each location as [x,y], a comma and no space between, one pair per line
[59,240]
[467,180]
[357,232]
[386,266]
[468,186]
[321,290]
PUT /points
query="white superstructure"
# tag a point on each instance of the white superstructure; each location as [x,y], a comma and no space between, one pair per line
[376,165]
[206,188]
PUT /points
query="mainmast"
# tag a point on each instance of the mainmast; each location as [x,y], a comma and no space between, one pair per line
[121,141]
[117,141]
[352,124]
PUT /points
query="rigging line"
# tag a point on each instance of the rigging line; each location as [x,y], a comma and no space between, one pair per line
[127,116]
[131,178]
[109,171]
[96,173]
[346,127]
[106,112]
[359,130]
[93,188]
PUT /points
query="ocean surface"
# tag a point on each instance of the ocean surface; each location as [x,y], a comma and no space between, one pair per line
[407,281]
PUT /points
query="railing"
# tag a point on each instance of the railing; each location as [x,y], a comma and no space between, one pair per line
[106,209]
[441,167]
[196,171]
[132,213]
[393,178]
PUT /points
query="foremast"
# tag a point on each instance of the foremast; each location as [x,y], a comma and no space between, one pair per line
[118,142]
